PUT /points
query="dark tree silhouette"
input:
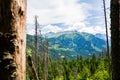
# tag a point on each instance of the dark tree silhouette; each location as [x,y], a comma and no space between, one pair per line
[115,39]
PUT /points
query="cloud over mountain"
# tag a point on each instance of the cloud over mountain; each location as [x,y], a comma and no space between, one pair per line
[80,15]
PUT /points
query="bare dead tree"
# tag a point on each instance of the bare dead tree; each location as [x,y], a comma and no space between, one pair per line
[32,66]
[107,41]
[40,56]
[35,56]
[36,43]
[13,39]
[45,58]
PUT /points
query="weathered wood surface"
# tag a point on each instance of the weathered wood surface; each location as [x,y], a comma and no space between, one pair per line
[12,39]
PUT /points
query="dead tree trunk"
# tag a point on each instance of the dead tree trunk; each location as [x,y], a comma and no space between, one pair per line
[107,40]
[31,64]
[35,55]
[45,58]
[12,39]
[115,39]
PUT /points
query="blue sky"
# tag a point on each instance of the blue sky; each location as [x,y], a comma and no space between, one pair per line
[66,15]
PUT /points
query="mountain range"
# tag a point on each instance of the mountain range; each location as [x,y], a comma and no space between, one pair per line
[71,44]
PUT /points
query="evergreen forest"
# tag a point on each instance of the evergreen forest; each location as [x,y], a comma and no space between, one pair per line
[42,66]
[94,68]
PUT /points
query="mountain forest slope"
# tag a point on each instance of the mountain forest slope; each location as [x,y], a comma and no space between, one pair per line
[71,44]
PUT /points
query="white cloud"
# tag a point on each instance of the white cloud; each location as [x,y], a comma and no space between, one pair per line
[76,26]
[82,16]
[44,29]
[57,11]
[32,31]
[93,30]
[50,28]
[81,27]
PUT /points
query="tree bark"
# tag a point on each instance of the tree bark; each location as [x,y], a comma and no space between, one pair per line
[12,39]
[115,39]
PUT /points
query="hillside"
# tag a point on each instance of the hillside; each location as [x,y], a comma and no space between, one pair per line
[71,43]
